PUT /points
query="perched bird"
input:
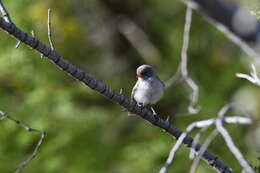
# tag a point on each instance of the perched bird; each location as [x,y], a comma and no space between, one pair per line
[149,88]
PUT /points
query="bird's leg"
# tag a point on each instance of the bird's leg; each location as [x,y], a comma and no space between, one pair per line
[154,113]
[140,104]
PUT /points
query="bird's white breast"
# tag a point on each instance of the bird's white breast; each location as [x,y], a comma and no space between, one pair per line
[149,91]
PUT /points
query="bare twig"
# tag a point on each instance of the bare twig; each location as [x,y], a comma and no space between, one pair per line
[22,165]
[184,62]
[203,148]
[204,125]
[196,141]
[235,39]
[185,45]
[234,22]
[32,33]
[49,30]
[177,77]
[18,44]
[231,145]
[253,77]
[182,72]
[177,145]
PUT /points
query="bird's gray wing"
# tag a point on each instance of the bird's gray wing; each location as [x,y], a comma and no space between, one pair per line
[134,90]
[161,81]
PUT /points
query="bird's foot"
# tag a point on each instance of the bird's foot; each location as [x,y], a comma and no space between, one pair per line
[154,113]
[140,104]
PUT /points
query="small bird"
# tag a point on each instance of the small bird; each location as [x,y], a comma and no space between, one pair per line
[148,89]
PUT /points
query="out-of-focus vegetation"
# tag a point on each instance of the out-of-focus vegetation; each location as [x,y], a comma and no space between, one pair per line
[86,132]
[255,12]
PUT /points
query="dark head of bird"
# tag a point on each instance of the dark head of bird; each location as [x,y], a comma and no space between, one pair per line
[145,71]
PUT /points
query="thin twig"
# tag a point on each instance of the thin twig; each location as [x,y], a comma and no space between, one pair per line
[194,97]
[182,72]
[32,33]
[196,140]
[177,145]
[185,45]
[203,148]
[18,44]
[184,63]
[23,164]
[253,77]
[235,39]
[249,49]
[228,139]
[204,125]
[177,77]
[49,30]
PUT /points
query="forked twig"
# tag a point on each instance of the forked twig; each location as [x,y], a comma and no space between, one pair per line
[203,148]
[182,72]
[23,164]
[196,140]
[204,125]
[253,77]
[228,139]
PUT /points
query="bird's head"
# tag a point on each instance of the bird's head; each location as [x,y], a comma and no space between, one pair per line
[145,71]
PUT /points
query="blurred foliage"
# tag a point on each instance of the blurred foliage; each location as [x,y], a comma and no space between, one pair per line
[256,12]
[88,133]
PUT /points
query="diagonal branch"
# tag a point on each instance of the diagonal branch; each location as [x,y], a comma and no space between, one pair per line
[107,92]
[235,22]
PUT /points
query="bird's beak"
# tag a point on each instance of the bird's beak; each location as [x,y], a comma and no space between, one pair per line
[139,76]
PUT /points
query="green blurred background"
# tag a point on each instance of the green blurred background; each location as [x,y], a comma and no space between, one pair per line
[88,133]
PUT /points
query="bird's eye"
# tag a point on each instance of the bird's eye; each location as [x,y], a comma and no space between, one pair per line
[144,73]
